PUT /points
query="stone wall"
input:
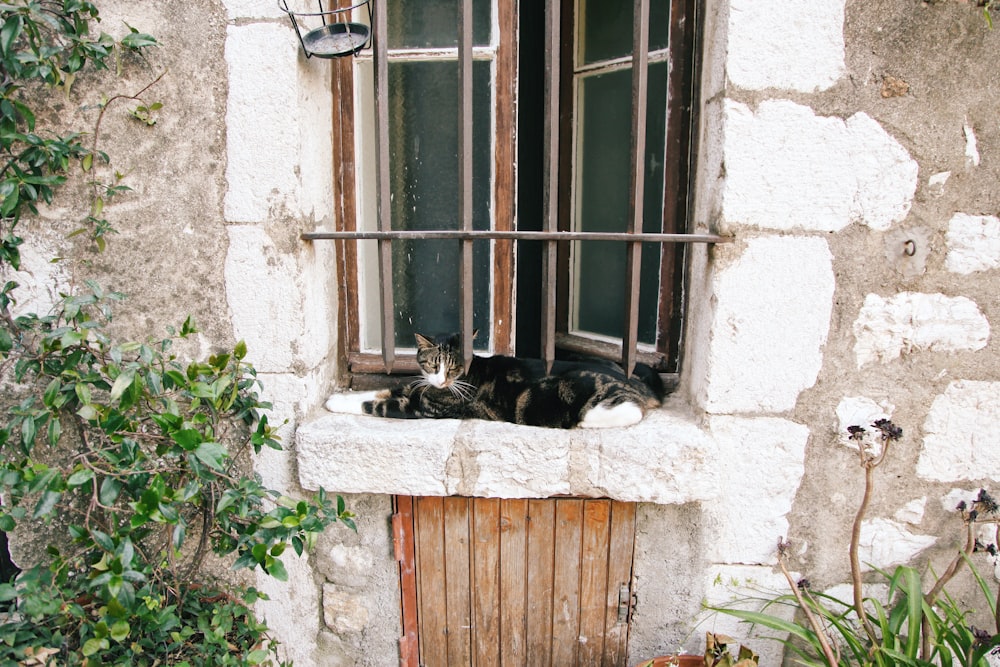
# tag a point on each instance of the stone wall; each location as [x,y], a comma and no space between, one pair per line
[850,147]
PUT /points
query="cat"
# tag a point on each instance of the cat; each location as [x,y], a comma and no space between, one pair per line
[590,393]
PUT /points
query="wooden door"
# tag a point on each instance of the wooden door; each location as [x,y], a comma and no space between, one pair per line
[488,582]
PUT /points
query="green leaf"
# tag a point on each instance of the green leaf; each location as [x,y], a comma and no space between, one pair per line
[95,645]
[211,454]
[110,490]
[80,477]
[102,540]
[257,657]
[187,438]
[120,631]
[277,570]
[122,382]
[241,350]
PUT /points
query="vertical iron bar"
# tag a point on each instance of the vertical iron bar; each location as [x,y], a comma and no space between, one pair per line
[465,171]
[637,150]
[381,65]
[550,180]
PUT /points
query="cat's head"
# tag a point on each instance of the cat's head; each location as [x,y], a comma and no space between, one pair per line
[440,358]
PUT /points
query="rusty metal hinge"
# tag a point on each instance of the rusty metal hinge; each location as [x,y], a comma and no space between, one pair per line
[624,603]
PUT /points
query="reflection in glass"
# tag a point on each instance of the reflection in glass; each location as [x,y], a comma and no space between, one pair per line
[602,200]
[424,182]
[424,24]
[606,29]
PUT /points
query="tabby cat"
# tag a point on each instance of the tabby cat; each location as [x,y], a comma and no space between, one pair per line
[589,394]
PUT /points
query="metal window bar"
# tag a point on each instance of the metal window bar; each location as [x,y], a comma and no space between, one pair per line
[465,172]
[551,235]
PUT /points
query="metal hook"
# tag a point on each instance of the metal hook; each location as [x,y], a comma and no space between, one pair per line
[909,247]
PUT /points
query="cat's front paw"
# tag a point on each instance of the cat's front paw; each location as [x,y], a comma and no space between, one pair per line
[351,402]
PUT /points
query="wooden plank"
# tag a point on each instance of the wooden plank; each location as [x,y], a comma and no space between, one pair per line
[541,553]
[430,564]
[622,542]
[566,581]
[594,580]
[457,583]
[404,547]
[504,161]
[486,581]
[513,582]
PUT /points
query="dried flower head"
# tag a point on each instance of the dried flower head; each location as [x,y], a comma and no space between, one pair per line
[889,430]
[804,584]
[985,502]
[856,432]
[982,637]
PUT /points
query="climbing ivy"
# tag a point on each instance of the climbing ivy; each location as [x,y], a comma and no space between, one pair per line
[138,461]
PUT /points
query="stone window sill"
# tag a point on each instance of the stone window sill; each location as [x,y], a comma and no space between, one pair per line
[667,458]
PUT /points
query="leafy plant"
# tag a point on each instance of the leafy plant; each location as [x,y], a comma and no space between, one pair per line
[135,462]
[144,459]
[907,626]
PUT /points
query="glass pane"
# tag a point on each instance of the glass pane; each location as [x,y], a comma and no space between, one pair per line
[423,24]
[423,139]
[602,200]
[605,28]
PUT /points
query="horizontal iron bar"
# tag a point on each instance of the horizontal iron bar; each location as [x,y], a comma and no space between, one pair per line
[517,236]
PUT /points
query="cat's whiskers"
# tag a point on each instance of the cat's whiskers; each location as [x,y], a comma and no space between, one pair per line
[462,389]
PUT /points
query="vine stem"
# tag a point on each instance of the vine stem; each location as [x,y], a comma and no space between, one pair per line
[104,107]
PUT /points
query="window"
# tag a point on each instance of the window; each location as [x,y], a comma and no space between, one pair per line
[485,155]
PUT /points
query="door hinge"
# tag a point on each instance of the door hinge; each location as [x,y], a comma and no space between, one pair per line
[624,603]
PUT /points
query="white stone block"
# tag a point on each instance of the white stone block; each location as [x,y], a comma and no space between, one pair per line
[769,325]
[747,587]
[859,411]
[257,9]
[961,433]
[759,468]
[971,146]
[663,459]
[884,544]
[909,321]
[912,512]
[791,44]
[356,454]
[39,279]
[262,135]
[787,168]
[292,611]
[973,243]
[263,298]
[344,612]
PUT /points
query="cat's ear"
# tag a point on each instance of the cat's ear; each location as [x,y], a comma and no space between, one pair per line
[423,342]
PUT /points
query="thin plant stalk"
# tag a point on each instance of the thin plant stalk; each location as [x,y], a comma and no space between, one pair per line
[831,657]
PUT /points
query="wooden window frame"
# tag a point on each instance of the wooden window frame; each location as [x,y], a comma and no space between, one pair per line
[555,233]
